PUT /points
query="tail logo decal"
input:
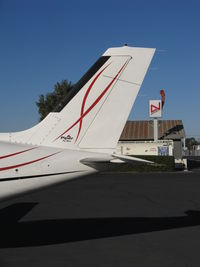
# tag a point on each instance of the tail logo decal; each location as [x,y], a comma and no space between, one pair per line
[84,113]
[67,138]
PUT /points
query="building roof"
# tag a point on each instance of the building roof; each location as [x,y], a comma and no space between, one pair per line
[143,130]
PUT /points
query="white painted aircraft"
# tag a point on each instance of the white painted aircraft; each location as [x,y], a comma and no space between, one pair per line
[81,136]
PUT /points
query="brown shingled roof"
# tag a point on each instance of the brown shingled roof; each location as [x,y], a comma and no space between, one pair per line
[143,130]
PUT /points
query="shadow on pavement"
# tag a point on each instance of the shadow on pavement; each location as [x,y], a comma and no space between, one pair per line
[47,232]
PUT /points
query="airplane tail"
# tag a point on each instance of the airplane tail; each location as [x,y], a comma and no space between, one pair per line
[93,116]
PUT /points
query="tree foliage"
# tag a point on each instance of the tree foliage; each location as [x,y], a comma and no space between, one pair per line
[190,142]
[50,101]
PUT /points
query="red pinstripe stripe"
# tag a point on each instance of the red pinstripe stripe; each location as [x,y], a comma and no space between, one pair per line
[27,163]
[17,153]
[95,102]
[84,100]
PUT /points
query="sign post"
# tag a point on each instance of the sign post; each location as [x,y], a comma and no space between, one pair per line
[155,129]
[155,111]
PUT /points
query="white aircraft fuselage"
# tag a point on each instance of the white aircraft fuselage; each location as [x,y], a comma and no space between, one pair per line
[25,168]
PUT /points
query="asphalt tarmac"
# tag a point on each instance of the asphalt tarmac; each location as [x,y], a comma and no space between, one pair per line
[149,219]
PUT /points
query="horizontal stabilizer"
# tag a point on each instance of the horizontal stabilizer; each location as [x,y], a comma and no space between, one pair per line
[132,160]
[102,163]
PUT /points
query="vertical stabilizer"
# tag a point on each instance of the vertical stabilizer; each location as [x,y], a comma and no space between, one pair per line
[94,115]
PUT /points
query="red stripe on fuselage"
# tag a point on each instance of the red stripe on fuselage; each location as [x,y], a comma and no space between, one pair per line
[17,153]
[26,163]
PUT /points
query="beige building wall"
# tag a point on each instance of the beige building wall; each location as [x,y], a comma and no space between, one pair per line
[162,147]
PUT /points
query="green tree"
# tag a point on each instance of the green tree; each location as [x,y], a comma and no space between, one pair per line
[190,142]
[49,102]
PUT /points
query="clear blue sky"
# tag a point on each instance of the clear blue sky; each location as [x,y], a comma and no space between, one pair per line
[43,42]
